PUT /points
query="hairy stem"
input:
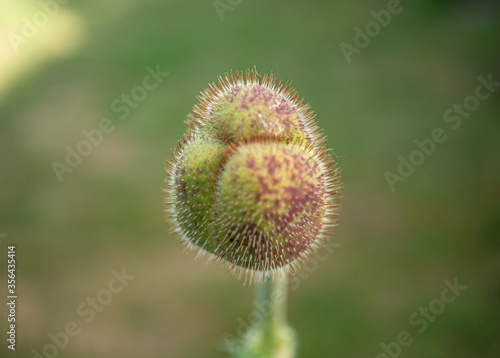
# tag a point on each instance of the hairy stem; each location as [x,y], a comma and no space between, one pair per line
[269,335]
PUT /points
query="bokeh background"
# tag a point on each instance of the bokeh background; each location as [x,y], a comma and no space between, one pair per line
[395,248]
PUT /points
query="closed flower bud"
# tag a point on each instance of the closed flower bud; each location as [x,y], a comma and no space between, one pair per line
[251,184]
[253,110]
[193,179]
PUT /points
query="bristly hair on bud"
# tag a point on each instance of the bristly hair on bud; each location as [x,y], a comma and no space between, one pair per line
[251,183]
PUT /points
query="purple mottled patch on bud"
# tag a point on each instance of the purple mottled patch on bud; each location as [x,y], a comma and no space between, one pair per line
[278,193]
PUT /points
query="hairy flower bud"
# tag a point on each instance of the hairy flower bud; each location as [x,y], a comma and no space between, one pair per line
[251,183]
[194,178]
[250,111]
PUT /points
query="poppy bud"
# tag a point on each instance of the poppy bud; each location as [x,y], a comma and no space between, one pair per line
[251,184]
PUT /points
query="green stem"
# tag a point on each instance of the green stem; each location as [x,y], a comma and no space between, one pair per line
[271,297]
[269,336]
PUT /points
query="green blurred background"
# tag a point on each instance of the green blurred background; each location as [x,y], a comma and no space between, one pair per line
[396,248]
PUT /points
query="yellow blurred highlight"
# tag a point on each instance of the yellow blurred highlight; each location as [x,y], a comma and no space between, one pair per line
[59,34]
